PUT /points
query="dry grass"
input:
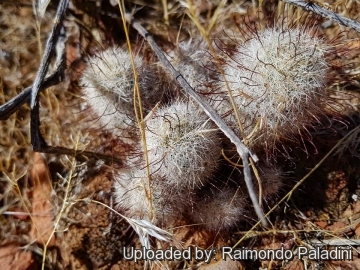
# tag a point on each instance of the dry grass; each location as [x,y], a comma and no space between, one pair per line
[77,196]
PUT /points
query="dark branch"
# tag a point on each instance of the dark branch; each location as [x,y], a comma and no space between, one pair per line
[313,7]
[37,140]
[80,153]
[10,107]
[56,41]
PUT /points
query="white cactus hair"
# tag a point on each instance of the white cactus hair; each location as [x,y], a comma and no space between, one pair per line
[219,210]
[111,71]
[108,85]
[183,145]
[130,193]
[193,60]
[272,181]
[278,78]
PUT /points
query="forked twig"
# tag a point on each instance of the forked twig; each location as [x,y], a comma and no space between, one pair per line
[241,148]
[31,93]
[313,7]
[10,107]
[37,140]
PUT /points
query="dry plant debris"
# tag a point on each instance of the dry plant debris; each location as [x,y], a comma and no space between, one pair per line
[41,207]
[58,212]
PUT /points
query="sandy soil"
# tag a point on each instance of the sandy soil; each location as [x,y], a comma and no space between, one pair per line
[53,208]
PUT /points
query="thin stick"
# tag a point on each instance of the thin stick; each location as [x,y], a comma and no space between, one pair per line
[10,107]
[335,242]
[37,140]
[58,150]
[241,148]
[310,6]
[288,195]
[55,39]
[139,114]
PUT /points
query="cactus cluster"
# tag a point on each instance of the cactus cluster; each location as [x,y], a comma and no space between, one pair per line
[277,78]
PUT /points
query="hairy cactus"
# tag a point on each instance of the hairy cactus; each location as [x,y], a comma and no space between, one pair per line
[193,61]
[131,196]
[278,78]
[108,85]
[183,145]
[219,210]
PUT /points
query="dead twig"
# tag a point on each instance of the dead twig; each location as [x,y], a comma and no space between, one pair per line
[313,7]
[56,41]
[37,140]
[241,148]
[300,182]
[10,107]
[335,242]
